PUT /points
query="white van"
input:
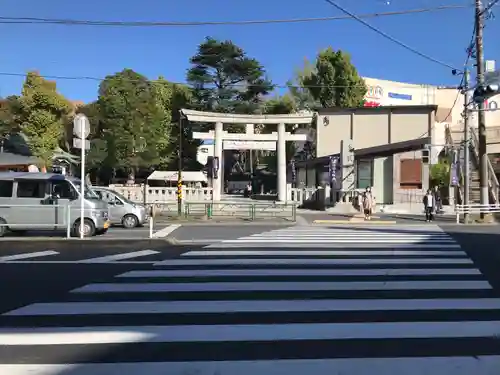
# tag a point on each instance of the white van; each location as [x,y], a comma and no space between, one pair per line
[42,201]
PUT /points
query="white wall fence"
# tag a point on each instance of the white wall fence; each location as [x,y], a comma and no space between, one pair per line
[148,194]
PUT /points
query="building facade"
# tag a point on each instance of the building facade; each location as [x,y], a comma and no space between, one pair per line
[386,143]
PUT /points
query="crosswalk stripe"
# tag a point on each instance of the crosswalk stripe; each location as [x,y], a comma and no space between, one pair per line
[253,306]
[361,310]
[233,253]
[478,365]
[309,261]
[252,332]
[280,286]
[116,257]
[22,256]
[422,237]
[159,273]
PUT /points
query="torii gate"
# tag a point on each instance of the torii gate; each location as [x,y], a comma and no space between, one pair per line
[219,136]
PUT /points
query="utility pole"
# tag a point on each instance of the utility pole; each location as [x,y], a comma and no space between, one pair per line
[179,172]
[483,156]
[467,99]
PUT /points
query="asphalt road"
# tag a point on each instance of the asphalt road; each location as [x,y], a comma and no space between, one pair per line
[330,299]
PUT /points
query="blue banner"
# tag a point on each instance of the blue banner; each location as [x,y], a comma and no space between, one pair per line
[294,170]
[454,174]
[333,168]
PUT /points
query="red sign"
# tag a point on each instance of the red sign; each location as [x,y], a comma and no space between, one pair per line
[372,104]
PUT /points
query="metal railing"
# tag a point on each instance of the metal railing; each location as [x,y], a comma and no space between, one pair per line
[492,178]
[57,217]
[462,209]
[251,211]
[493,184]
[243,210]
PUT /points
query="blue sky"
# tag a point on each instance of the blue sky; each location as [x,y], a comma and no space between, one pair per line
[281,48]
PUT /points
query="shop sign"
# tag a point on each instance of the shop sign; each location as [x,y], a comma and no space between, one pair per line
[374,92]
[395,95]
[372,104]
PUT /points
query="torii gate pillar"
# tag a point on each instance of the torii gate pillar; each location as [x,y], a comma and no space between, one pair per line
[281,156]
[218,147]
[281,136]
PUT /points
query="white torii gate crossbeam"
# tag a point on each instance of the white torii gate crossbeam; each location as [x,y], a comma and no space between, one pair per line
[281,136]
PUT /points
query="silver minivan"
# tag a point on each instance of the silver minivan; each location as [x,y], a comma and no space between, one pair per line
[45,201]
[122,211]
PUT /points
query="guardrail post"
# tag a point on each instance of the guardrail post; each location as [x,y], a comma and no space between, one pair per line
[252,212]
[294,212]
[458,217]
[151,227]
[68,221]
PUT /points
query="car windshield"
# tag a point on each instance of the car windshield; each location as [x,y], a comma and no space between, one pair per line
[126,200]
[89,193]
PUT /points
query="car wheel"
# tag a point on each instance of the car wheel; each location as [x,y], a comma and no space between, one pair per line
[130,221]
[3,227]
[88,228]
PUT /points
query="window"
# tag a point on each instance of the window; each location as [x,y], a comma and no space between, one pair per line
[364,173]
[410,174]
[63,189]
[107,196]
[31,189]
[6,189]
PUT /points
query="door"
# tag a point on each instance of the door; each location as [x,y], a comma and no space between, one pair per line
[116,206]
[33,207]
[63,195]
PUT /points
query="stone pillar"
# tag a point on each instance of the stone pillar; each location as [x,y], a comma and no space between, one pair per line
[217,186]
[281,150]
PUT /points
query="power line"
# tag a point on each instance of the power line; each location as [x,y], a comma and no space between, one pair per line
[387,36]
[97,79]
[73,22]
[469,54]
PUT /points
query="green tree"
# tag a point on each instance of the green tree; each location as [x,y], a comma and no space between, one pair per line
[9,110]
[164,92]
[131,120]
[335,81]
[440,173]
[279,105]
[41,113]
[301,95]
[225,79]
[97,156]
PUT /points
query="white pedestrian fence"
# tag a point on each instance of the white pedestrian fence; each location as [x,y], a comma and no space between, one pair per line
[475,209]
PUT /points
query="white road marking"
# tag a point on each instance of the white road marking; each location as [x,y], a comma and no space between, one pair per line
[38,254]
[235,253]
[247,332]
[325,245]
[316,239]
[255,286]
[73,262]
[228,306]
[166,231]
[299,272]
[116,257]
[480,365]
[290,261]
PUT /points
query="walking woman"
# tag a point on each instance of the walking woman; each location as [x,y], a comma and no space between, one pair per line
[367,204]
